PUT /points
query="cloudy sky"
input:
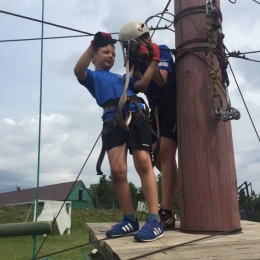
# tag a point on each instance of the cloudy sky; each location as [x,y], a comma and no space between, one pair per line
[71,120]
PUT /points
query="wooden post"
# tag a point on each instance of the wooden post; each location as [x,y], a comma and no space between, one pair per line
[207,177]
[25,229]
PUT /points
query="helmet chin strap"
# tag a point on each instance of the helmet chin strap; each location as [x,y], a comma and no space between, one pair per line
[142,38]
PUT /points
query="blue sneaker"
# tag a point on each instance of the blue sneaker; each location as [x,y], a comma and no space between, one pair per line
[125,227]
[151,231]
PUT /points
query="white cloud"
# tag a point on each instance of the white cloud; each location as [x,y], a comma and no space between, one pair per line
[8,121]
[71,120]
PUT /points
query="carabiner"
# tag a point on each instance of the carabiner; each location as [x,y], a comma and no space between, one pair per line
[126,44]
[227,96]
[209,2]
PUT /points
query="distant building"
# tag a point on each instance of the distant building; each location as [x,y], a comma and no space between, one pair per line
[78,195]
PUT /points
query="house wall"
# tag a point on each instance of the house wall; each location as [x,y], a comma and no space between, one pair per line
[83,203]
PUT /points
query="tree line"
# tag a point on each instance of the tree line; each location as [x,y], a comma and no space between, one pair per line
[249,206]
[103,196]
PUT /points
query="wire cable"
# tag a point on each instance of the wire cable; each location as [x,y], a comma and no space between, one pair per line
[40,21]
[244,101]
[47,38]
[52,24]
[88,243]
[165,9]
[70,190]
[185,243]
[39,133]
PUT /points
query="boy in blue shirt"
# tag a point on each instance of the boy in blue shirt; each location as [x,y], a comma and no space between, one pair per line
[107,88]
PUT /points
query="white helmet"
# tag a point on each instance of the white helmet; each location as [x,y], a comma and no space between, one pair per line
[132,30]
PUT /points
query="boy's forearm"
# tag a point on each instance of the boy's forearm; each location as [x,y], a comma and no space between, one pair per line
[160,77]
[142,84]
[83,63]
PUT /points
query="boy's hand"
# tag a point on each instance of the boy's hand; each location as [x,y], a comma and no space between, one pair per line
[133,58]
[101,39]
[154,52]
[141,52]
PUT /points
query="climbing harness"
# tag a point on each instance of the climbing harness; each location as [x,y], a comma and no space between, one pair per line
[112,122]
[109,125]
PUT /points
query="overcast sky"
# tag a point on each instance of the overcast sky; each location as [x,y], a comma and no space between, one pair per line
[71,120]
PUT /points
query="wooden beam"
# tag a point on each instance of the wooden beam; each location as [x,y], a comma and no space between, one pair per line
[25,229]
[206,169]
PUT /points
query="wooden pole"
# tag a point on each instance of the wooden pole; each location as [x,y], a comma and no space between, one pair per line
[207,177]
[25,229]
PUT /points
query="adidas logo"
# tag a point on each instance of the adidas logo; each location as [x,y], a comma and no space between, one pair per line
[169,221]
[157,231]
[128,228]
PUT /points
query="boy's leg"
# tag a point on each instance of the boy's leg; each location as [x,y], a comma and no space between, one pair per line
[129,225]
[169,171]
[118,167]
[140,144]
[143,165]
[169,181]
[152,229]
[168,165]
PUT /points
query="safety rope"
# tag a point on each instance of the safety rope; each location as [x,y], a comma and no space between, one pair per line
[211,40]
[229,113]
[122,101]
[213,72]
[223,62]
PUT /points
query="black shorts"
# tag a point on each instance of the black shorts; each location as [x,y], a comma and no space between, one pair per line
[138,137]
[167,122]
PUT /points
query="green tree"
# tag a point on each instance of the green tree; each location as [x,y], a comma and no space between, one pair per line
[140,194]
[241,199]
[134,192]
[103,192]
[256,206]
[175,207]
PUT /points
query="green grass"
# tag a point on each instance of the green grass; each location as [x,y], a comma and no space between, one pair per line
[19,248]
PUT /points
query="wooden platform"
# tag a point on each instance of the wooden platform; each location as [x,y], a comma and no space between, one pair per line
[244,245]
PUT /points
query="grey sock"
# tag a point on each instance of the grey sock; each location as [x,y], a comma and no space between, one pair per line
[131,217]
[155,216]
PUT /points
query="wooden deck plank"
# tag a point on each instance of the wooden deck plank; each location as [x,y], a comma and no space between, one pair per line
[241,246]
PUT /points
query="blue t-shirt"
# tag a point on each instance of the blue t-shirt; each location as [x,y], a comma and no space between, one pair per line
[166,63]
[104,85]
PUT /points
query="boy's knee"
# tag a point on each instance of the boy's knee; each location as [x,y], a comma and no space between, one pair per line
[118,173]
[142,164]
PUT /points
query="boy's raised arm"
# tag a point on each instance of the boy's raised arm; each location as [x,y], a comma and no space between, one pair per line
[83,63]
[100,39]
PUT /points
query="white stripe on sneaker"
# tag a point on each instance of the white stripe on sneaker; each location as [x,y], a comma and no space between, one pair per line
[169,221]
[157,231]
[128,228]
